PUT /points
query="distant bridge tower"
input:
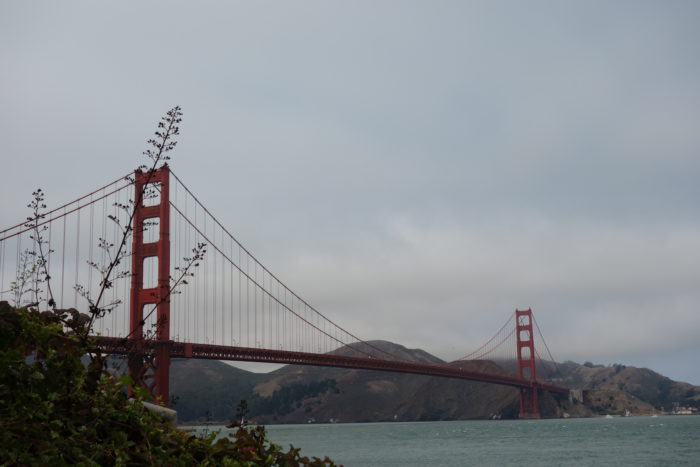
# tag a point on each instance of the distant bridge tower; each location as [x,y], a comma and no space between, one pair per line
[529,407]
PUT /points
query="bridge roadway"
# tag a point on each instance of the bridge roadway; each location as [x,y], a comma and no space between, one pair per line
[121,346]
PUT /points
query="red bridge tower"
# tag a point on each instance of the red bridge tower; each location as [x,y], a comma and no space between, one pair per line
[529,407]
[151,370]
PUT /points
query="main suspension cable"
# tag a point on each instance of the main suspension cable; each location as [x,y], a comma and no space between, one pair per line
[477,351]
[273,276]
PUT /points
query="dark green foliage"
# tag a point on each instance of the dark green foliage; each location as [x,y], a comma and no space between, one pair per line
[284,400]
[54,410]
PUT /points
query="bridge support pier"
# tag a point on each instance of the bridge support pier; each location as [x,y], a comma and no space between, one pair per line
[529,407]
[151,370]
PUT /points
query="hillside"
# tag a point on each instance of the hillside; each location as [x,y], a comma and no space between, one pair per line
[297,394]
[615,388]
[207,389]
[364,395]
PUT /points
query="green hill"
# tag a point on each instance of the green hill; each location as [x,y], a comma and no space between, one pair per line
[206,389]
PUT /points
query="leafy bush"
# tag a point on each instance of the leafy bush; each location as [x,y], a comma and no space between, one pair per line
[55,410]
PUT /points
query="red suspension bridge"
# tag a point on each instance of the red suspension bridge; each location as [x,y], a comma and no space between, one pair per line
[230,307]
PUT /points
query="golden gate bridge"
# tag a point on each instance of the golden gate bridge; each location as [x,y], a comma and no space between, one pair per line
[230,307]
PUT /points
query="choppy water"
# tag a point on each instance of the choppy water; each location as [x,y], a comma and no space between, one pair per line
[631,441]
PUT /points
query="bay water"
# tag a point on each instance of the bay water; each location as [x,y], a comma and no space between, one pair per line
[620,441]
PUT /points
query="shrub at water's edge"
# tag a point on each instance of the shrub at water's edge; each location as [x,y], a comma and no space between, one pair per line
[55,410]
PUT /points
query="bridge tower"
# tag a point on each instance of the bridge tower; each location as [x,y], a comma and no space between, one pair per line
[151,370]
[529,407]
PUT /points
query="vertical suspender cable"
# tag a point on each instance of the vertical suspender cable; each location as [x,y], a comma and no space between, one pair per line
[240,300]
[223,295]
[262,311]
[103,236]
[230,290]
[48,258]
[188,326]
[206,289]
[115,331]
[18,266]
[77,256]
[247,301]
[220,288]
[214,281]
[222,292]
[269,315]
[174,245]
[255,304]
[2,267]
[303,339]
[18,271]
[196,286]
[115,289]
[214,287]
[63,258]
[91,230]
[174,322]
[182,323]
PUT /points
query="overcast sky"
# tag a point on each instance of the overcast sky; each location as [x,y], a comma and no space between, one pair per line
[415,170]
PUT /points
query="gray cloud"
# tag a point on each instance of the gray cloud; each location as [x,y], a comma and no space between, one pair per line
[391,159]
[597,291]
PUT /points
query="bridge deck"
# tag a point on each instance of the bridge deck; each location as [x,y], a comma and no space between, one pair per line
[121,346]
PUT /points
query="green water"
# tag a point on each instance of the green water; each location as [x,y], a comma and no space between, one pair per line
[631,441]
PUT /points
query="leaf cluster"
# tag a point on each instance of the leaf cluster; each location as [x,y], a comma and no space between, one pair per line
[55,410]
[168,128]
